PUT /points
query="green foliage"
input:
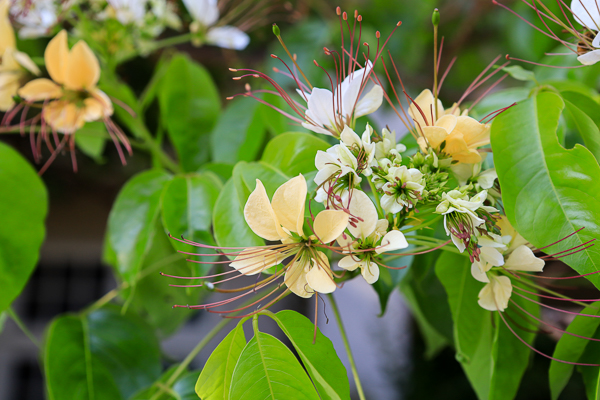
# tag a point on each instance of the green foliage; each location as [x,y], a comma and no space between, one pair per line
[214,381]
[584,115]
[91,139]
[183,387]
[542,182]
[131,224]
[23,206]
[190,105]
[102,355]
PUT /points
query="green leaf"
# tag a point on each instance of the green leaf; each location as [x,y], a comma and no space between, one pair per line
[454,271]
[223,171]
[548,192]
[3,318]
[91,139]
[187,205]
[23,206]
[571,348]
[182,388]
[103,355]
[152,297]
[293,153]
[240,132]
[189,105]
[584,114]
[215,379]
[267,369]
[131,223]
[519,73]
[320,359]
[510,356]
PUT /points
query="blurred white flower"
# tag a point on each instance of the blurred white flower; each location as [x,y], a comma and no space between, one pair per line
[205,14]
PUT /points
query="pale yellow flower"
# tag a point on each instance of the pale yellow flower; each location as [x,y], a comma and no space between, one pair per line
[15,66]
[495,295]
[282,220]
[449,131]
[71,98]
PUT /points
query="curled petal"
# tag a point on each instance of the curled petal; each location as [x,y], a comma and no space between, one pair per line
[370,271]
[260,216]
[478,271]
[434,136]
[393,240]
[589,58]
[288,204]
[495,295]
[295,278]
[523,259]
[370,102]
[363,209]
[253,261]
[329,225]
[63,116]
[349,263]
[319,277]
[40,89]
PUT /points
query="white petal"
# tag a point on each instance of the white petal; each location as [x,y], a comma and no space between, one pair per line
[349,137]
[295,279]
[370,102]
[349,263]
[393,240]
[203,11]
[590,58]
[362,208]
[320,105]
[320,278]
[495,295]
[487,178]
[252,261]
[316,129]
[370,271]
[523,259]
[586,13]
[227,37]
[478,270]
[492,256]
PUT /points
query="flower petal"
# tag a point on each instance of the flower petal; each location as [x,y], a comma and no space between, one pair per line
[349,263]
[83,70]
[25,61]
[478,271]
[319,277]
[260,216]
[56,57]
[434,135]
[349,137]
[586,13]
[40,89]
[492,256]
[495,295]
[7,34]
[63,116]
[288,204]
[362,209]
[393,240]
[228,37]
[370,102]
[203,11]
[589,58]
[422,106]
[523,259]
[320,105]
[295,278]
[370,271]
[329,225]
[255,260]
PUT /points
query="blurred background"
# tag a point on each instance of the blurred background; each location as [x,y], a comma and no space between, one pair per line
[392,358]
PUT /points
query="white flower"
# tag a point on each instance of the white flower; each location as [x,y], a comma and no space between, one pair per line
[37,17]
[404,187]
[465,172]
[129,11]
[387,145]
[206,14]
[333,165]
[586,13]
[368,231]
[329,112]
[495,295]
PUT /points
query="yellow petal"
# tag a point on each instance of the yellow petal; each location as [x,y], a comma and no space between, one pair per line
[56,57]
[471,156]
[423,107]
[474,133]
[523,259]
[7,35]
[25,61]
[288,204]
[40,89]
[319,277]
[329,225]
[83,70]
[63,116]
[434,135]
[260,215]
[455,144]
[252,261]
[8,88]
[295,278]
[97,107]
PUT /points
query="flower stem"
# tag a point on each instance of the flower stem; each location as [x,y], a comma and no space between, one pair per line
[338,318]
[377,202]
[423,225]
[13,315]
[172,41]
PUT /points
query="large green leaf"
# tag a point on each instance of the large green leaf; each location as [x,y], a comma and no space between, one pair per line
[548,192]
[267,369]
[454,271]
[131,224]
[320,359]
[294,153]
[23,206]
[187,206]
[584,114]
[240,132]
[181,389]
[570,348]
[103,355]
[215,379]
[91,139]
[189,105]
